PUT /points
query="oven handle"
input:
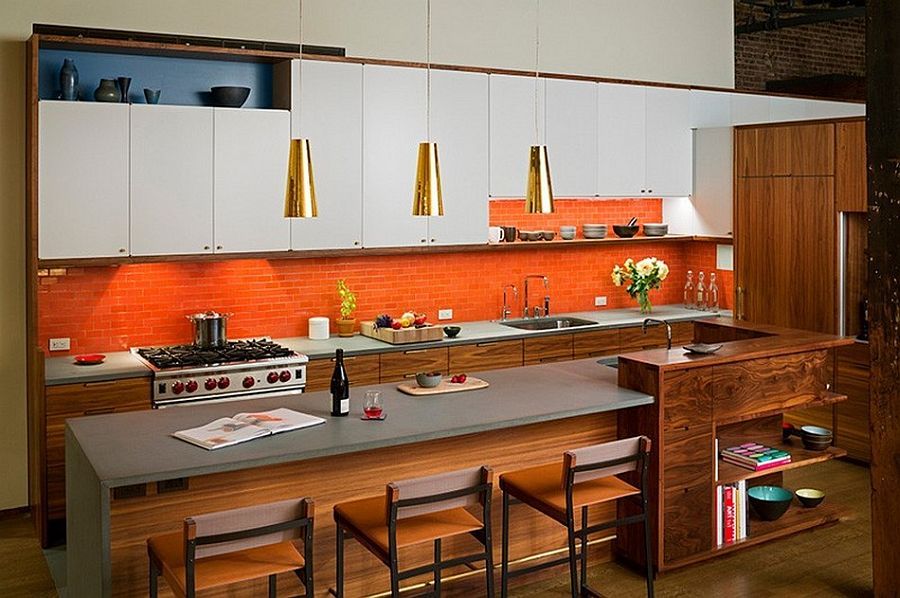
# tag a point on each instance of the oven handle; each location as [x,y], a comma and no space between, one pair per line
[224,398]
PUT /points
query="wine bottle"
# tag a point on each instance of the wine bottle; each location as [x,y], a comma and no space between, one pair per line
[340,387]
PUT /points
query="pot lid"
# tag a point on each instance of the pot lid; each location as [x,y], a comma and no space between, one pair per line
[208,315]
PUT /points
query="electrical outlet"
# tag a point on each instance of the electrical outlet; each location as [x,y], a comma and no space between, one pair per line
[600,301]
[59,344]
[445,314]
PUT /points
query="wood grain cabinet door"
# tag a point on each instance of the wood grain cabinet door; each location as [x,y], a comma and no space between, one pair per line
[490,355]
[547,349]
[403,365]
[597,343]
[850,167]
[687,522]
[361,369]
[852,416]
[634,339]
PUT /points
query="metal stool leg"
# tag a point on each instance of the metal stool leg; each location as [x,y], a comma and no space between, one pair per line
[339,563]
[648,551]
[584,545]
[504,549]
[488,559]
[573,557]
[273,586]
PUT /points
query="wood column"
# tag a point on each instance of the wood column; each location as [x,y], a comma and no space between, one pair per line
[883,134]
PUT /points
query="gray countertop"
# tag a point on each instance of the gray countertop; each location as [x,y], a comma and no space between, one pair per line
[136,447]
[122,364]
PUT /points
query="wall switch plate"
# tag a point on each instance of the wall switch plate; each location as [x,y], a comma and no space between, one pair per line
[445,314]
[59,344]
[599,301]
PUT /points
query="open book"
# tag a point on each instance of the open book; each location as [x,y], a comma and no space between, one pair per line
[229,431]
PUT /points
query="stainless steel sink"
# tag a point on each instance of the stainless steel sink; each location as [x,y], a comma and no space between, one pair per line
[612,362]
[547,323]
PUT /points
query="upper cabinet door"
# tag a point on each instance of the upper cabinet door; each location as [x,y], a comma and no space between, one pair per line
[669,142]
[748,109]
[572,137]
[710,109]
[171,180]
[512,131]
[621,140]
[393,125]
[459,125]
[83,165]
[251,152]
[330,115]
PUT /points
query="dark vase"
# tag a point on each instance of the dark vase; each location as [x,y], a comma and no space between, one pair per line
[107,91]
[68,80]
[124,84]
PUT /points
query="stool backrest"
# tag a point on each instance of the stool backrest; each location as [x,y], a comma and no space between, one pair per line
[429,494]
[248,527]
[604,460]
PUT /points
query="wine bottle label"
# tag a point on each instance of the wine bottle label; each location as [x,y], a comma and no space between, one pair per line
[345,405]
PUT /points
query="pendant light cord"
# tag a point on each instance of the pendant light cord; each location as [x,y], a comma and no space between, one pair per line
[537,64]
[427,70]
[300,65]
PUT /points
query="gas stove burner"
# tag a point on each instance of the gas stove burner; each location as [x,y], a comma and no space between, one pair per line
[181,356]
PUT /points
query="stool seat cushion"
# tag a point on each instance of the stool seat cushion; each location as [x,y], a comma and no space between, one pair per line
[366,517]
[541,487]
[222,569]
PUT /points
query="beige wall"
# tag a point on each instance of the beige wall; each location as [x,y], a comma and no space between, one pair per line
[688,41]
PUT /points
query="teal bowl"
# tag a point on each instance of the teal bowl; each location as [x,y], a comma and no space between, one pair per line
[770,502]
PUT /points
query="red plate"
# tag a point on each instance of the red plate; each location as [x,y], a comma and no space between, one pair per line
[92,359]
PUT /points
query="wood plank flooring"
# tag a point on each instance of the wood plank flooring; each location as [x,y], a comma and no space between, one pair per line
[832,561]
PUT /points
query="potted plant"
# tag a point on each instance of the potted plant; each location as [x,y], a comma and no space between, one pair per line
[641,277]
[346,323]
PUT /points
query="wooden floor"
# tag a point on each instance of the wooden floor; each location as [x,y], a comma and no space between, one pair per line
[833,561]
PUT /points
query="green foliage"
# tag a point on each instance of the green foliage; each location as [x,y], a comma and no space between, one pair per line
[348,299]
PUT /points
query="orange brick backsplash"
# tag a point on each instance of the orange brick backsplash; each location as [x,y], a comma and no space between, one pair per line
[113,308]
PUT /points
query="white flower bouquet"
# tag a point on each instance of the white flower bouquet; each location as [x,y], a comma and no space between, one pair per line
[642,277]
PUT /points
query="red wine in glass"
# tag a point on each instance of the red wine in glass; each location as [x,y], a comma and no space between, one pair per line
[373,411]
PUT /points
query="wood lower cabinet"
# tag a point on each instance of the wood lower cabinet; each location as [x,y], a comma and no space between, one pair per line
[597,343]
[547,349]
[851,417]
[406,364]
[77,400]
[361,369]
[635,339]
[491,355]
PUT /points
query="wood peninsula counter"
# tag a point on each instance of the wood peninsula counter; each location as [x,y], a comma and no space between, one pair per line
[738,394]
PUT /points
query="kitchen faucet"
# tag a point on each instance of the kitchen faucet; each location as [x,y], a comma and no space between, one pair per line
[537,310]
[507,308]
[659,322]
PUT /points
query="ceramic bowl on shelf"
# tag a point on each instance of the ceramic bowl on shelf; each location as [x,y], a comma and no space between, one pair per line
[810,497]
[451,331]
[656,229]
[625,231]
[816,438]
[769,502]
[428,379]
[229,96]
[567,232]
[548,235]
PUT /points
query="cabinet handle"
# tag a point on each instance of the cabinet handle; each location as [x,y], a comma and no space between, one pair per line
[218,247]
[101,383]
[739,301]
[413,351]
[423,240]
[345,359]
[409,375]
[206,248]
[485,344]
[122,250]
[99,410]
[649,190]
[432,240]
[356,242]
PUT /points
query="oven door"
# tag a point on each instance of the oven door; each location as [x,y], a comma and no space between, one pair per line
[224,398]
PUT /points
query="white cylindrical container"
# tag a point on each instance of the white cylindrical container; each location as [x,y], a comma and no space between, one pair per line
[318,328]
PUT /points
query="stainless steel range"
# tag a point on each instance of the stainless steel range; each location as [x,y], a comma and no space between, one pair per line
[237,370]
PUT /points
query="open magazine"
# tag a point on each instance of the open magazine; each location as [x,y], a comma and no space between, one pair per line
[229,431]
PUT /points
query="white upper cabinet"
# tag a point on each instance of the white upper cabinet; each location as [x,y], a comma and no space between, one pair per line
[710,109]
[171,180]
[512,131]
[83,190]
[459,125]
[748,109]
[572,120]
[393,125]
[330,115]
[621,140]
[251,153]
[669,142]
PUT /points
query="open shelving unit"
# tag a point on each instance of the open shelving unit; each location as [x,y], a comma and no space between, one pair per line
[729,473]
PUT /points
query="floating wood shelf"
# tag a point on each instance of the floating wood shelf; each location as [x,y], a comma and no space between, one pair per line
[825,397]
[797,518]
[730,473]
[320,253]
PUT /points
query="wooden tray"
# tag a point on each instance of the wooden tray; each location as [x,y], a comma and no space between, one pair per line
[403,335]
[411,388]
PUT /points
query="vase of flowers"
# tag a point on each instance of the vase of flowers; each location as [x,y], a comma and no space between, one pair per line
[641,277]
[346,323]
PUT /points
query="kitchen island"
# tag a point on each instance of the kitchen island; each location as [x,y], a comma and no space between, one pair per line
[127,478]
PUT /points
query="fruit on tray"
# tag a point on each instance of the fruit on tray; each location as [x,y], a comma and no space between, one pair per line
[396,325]
[383,321]
[407,320]
[458,379]
[420,319]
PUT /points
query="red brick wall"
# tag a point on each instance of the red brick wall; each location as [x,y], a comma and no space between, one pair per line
[810,50]
[111,308]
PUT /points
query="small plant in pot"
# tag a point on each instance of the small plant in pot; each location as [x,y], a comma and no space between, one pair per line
[346,323]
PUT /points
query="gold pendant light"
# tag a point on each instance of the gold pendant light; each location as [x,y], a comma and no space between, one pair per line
[539,191]
[427,197]
[300,194]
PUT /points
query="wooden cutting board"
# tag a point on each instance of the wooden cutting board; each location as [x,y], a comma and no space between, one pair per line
[411,388]
[403,335]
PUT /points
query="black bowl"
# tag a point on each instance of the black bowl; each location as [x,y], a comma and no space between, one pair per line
[626,232]
[229,96]
[810,497]
[451,331]
[769,502]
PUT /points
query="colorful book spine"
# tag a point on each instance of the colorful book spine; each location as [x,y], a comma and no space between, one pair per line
[729,513]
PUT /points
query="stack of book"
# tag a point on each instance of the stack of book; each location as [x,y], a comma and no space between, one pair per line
[755,456]
[731,503]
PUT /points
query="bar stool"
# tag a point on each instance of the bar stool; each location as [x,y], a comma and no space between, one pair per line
[227,547]
[586,477]
[416,511]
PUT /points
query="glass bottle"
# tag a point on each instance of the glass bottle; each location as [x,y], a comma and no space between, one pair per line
[340,387]
[713,294]
[689,296]
[701,292]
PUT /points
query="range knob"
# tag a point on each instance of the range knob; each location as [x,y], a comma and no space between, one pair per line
[210,384]
[191,386]
[248,382]
[177,387]
[285,376]
[224,382]
[272,377]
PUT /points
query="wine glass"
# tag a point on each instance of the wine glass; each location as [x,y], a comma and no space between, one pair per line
[374,406]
